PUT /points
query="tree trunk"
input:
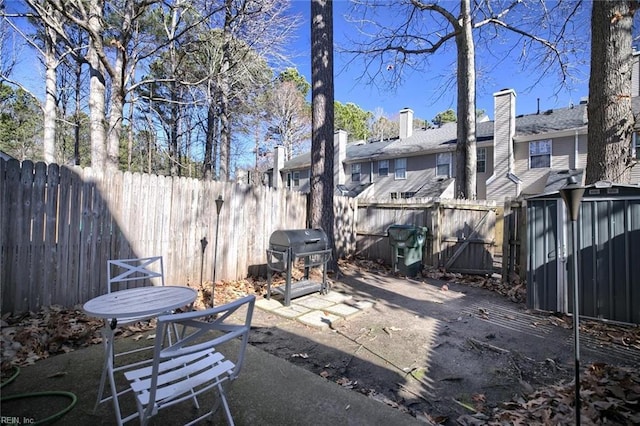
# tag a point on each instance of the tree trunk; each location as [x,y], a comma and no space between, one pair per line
[174,157]
[322,97]
[78,110]
[130,137]
[116,110]
[96,110]
[208,145]
[466,125]
[49,137]
[609,110]
[225,131]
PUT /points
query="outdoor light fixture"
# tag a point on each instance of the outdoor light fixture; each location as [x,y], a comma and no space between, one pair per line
[572,195]
[203,246]
[219,202]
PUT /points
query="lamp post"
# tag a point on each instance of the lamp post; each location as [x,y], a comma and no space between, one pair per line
[572,195]
[219,202]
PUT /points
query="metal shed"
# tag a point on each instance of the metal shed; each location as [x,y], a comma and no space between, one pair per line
[608,229]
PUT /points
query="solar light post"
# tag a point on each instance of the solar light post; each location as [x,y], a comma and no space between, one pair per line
[572,195]
[203,246]
[219,202]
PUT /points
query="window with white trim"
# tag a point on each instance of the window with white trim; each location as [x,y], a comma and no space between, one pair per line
[409,194]
[394,195]
[635,146]
[540,154]
[355,172]
[383,167]
[296,178]
[401,168]
[481,160]
[443,164]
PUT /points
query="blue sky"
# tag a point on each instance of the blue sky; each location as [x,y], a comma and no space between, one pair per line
[422,93]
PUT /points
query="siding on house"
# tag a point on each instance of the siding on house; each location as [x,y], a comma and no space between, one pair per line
[506,141]
[481,177]
[635,75]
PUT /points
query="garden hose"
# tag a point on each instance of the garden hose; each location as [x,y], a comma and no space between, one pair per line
[53,417]
[12,378]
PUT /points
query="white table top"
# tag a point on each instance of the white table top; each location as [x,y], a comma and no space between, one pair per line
[140,301]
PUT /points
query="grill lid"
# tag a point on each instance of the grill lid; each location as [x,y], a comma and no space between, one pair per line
[299,240]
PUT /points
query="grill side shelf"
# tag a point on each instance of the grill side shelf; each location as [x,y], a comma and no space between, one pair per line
[300,288]
[277,260]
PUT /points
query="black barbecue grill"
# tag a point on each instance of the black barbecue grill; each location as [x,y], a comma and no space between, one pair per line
[286,247]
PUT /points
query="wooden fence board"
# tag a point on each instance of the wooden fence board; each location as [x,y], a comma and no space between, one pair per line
[11,233]
[37,222]
[50,234]
[4,216]
[22,217]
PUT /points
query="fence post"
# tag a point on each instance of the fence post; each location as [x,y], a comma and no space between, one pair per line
[437,245]
[507,220]
[521,259]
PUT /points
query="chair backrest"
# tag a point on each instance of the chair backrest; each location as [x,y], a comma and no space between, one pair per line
[135,272]
[203,331]
[199,323]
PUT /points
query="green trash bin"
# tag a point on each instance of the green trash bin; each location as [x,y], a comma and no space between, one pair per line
[406,248]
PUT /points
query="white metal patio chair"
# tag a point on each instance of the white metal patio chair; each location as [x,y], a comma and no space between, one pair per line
[134,272]
[123,274]
[197,362]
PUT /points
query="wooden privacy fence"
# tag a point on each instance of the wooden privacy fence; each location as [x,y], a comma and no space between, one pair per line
[59,226]
[514,241]
[461,234]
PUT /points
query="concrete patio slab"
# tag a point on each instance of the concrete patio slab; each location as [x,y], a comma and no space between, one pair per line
[319,319]
[316,310]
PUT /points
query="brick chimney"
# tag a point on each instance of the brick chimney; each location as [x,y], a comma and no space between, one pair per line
[406,123]
[339,155]
[278,164]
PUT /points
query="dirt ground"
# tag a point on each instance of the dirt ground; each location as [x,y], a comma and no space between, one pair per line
[447,349]
[446,352]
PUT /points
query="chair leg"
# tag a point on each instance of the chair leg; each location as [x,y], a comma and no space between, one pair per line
[225,405]
[103,378]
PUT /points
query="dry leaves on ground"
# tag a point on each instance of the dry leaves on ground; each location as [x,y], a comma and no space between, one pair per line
[609,395]
[31,336]
[514,290]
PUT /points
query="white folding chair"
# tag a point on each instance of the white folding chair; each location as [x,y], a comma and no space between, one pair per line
[135,272]
[123,274]
[197,362]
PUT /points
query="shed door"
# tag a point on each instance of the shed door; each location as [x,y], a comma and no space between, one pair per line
[609,268]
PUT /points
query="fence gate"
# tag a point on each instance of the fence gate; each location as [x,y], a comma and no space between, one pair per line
[466,235]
